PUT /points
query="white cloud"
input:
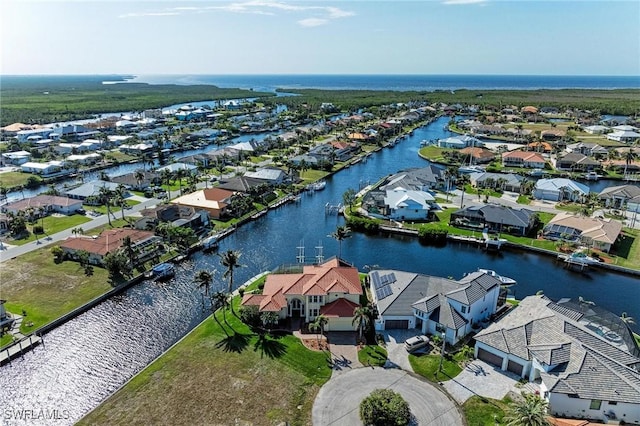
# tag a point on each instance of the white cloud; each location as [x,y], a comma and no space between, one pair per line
[313,22]
[321,15]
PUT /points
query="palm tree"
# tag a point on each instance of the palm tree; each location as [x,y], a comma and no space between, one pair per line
[105,195]
[230,260]
[203,281]
[627,319]
[318,325]
[629,157]
[341,233]
[78,230]
[362,317]
[531,411]
[220,300]
[139,177]
[119,199]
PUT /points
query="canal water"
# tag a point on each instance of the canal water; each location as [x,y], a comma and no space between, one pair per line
[87,359]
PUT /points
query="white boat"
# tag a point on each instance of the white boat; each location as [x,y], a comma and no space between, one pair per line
[210,242]
[163,271]
[319,185]
[471,169]
[580,258]
[504,280]
[591,176]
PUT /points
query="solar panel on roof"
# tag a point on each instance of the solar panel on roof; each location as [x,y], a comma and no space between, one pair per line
[376,279]
[383,292]
[392,277]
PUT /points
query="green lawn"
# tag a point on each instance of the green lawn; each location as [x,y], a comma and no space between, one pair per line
[5,339]
[13,179]
[215,378]
[312,175]
[627,249]
[372,355]
[113,209]
[120,157]
[427,366]
[33,282]
[480,411]
[433,153]
[52,225]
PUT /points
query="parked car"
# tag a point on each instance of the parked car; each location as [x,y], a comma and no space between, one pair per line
[416,342]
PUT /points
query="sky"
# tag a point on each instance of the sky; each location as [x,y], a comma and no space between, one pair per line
[561,37]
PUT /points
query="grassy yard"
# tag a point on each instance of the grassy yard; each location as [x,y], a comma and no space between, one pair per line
[5,339]
[52,225]
[215,378]
[372,355]
[627,250]
[13,179]
[434,153]
[46,291]
[312,175]
[481,411]
[113,209]
[427,366]
[120,157]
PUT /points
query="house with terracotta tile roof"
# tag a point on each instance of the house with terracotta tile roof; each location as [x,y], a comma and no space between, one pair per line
[331,289]
[584,358]
[590,231]
[144,243]
[532,160]
[478,155]
[44,205]
[213,200]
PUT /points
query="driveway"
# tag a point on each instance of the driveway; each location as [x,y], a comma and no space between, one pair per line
[344,352]
[338,401]
[481,378]
[396,353]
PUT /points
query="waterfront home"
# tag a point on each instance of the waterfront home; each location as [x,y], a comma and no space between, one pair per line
[596,129]
[36,134]
[592,232]
[403,204]
[503,181]
[5,223]
[15,158]
[173,168]
[588,149]
[331,289]
[495,218]
[478,155]
[458,142]
[138,182]
[176,215]
[621,197]
[575,161]
[433,305]
[42,205]
[540,146]
[584,358]
[627,136]
[527,159]
[270,175]
[144,244]
[83,159]
[214,201]
[48,169]
[244,184]
[559,189]
[91,190]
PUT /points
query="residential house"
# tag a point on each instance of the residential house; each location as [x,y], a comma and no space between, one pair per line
[177,215]
[270,175]
[584,358]
[83,159]
[504,181]
[48,169]
[144,243]
[458,142]
[215,201]
[187,169]
[44,204]
[621,197]
[242,184]
[588,149]
[138,183]
[331,289]
[91,189]
[478,155]
[5,223]
[433,305]
[575,161]
[527,159]
[596,129]
[592,232]
[627,136]
[496,218]
[36,134]
[559,189]
[403,204]
[15,158]
[552,134]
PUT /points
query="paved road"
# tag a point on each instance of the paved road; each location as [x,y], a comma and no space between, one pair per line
[339,399]
[10,253]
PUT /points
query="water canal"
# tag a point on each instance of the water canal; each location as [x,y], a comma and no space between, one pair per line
[88,358]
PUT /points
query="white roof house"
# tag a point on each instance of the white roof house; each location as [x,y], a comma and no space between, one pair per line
[404,204]
[174,167]
[271,175]
[459,142]
[624,136]
[43,169]
[559,189]
[596,129]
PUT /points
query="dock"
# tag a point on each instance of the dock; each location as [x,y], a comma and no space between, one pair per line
[19,347]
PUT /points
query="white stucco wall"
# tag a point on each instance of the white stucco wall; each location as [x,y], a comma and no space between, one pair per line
[563,406]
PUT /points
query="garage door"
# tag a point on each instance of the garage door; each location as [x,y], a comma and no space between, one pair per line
[489,357]
[514,367]
[340,324]
[396,324]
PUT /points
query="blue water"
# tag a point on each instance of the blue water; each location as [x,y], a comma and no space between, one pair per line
[398,82]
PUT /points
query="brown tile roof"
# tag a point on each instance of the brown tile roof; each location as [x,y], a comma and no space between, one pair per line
[106,242]
[524,155]
[42,201]
[339,308]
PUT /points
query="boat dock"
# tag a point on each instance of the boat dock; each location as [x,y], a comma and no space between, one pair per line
[19,347]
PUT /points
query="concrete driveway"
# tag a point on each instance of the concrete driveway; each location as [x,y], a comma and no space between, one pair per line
[338,402]
[396,353]
[481,378]
[344,352]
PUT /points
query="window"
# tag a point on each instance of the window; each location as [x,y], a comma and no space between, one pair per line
[572,395]
[464,309]
[595,404]
[613,402]
[313,312]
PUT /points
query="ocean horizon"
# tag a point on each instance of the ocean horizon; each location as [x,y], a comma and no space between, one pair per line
[395,82]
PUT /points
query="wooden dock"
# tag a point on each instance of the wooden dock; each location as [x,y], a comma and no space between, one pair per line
[19,347]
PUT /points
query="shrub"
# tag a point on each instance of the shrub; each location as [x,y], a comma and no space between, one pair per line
[363,224]
[384,407]
[38,229]
[432,234]
[250,315]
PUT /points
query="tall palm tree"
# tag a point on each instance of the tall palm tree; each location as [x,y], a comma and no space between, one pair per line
[531,411]
[119,198]
[203,280]
[230,260]
[318,325]
[139,177]
[105,196]
[629,157]
[362,317]
[627,319]
[220,300]
[341,233]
